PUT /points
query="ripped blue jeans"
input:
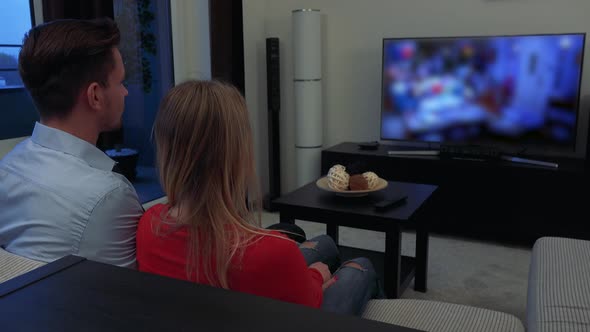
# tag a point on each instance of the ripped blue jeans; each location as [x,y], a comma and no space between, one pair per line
[353,288]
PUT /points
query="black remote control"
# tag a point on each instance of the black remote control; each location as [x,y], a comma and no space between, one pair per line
[369,145]
[391,203]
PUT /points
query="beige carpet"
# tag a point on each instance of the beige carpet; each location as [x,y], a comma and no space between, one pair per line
[464,271]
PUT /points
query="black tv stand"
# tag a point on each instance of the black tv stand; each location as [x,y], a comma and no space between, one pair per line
[492,196]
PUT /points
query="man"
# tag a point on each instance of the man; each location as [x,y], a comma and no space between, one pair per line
[58,194]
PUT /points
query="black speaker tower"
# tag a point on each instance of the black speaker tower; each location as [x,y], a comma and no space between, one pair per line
[273,93]
[587,156]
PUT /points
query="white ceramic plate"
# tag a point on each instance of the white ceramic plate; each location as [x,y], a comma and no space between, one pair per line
[322,183]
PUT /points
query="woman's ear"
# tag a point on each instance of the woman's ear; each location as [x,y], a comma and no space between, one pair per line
[94,96]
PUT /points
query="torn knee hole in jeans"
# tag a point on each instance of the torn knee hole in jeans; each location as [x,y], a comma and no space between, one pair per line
[309,244]
[354,265]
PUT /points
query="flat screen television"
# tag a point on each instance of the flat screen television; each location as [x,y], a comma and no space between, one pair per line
[506,91]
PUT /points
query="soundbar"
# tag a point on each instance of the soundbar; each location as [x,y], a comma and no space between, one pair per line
[413,152]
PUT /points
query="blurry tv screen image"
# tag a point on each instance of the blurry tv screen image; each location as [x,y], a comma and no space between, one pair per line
[501,89]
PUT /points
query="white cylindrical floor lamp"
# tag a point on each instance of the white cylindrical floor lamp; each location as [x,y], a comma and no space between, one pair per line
[307,84]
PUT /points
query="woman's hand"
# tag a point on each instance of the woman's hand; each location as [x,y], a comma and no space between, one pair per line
[329,283]
[322,269]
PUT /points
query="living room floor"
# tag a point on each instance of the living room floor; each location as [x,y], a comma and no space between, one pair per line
[460,270]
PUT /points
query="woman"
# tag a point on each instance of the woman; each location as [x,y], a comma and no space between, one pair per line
[208,233]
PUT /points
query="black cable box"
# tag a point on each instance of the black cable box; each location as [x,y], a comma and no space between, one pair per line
[469,151]
[368,145]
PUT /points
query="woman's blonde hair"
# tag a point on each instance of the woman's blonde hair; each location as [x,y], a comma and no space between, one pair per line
[206,162]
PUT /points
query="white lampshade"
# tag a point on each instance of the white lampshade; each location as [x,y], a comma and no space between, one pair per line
[307,85]
[308,113]
[307,45]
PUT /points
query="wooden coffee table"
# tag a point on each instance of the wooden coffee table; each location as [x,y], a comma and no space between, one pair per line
[310,203]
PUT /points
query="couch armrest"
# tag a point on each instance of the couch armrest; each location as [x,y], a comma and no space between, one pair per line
[558,296]
[12,265]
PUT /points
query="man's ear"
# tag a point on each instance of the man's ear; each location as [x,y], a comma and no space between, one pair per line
[94,96]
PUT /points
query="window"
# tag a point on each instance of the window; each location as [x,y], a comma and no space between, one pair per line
[147,52]
[15,21]
[18,112]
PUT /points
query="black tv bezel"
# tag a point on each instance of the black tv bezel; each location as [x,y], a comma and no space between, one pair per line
[514,145]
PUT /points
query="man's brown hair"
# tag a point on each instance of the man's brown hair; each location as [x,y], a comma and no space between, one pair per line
[60,58]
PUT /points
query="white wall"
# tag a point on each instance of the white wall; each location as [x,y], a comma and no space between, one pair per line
[255,82]
[190,39]
[352,33]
